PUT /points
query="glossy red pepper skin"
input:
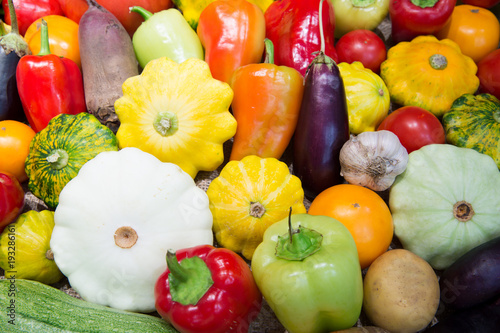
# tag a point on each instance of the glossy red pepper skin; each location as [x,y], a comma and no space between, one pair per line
[409,21]
[230,304]
[28,11]
[49,85]
[293,27]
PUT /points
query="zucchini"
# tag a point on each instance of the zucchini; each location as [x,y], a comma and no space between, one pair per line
[36,307]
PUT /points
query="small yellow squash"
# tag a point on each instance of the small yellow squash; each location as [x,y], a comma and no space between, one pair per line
[250,195]
[428,73]
[178,113]
[368,99]
[25,248]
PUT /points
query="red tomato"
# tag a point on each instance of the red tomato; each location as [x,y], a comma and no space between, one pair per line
[414,126]
[488,72]
[482,3]
[11,199]
[364,46]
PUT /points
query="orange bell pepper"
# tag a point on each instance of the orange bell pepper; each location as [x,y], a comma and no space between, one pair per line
[266,105]
[232,33]
[63,37]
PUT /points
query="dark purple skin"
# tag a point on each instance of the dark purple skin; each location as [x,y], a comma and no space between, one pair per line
[473,278]
[482,318]
[322,128]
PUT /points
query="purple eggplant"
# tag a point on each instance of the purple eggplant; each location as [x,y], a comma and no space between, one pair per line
[474,278]
[12,48]
[322,128]
[482,318]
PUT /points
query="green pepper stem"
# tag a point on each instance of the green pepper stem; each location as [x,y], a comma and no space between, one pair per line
[424,3]
[175,268]
[269,46]
[190,281]
[14,27]
[143,12]
[44,37]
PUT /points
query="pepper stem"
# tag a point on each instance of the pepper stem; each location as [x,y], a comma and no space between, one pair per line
[298,244]
[269,46]
[14,27]
[188,281]
[141,11]
[44,37]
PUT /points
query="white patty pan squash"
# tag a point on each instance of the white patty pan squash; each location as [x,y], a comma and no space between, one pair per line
[116,220]
[446,202]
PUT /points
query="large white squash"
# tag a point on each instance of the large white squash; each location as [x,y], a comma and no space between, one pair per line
[116,220]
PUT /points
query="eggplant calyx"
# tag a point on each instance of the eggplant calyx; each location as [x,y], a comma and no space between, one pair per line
[12,42]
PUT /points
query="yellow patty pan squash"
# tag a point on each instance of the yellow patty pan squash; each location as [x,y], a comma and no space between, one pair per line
[178,113]
[25,248]
[428,73]
[250,195]
[368,99]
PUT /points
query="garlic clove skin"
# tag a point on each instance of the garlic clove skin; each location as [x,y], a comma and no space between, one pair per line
[373,159]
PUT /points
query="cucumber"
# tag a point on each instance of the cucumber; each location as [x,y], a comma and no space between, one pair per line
[32,306]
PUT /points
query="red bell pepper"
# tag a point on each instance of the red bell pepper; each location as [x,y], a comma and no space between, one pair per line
[411,18]
[28,11]
[11,199]
[293,27]
[232,33]
[49,85]
[74,9]
[207,289]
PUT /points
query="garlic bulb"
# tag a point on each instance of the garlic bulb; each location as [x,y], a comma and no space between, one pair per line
[373,159]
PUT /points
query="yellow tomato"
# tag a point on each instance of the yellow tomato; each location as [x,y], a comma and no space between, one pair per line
[476,30]
[15,138]
[63,37]
[363,212]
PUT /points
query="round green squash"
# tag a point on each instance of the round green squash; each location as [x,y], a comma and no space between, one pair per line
[446,202]
[59,151]
[474,122]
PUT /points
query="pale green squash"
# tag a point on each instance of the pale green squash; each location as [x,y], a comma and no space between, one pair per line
[446,202]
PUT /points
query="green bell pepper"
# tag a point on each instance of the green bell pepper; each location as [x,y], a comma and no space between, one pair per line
[165,34]
[313,283]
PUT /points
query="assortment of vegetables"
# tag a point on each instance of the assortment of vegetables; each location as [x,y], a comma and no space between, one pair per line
[211,162]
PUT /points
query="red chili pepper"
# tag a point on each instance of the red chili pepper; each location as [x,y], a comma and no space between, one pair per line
[207,289]
[411,18]
[49,85]
[293,27]
[232,33]
[28,11]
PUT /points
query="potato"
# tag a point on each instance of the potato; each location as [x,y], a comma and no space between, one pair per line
[401,292]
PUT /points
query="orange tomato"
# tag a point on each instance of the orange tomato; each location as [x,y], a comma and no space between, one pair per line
[475,29]
[63,37]
[363,212]
[15,138]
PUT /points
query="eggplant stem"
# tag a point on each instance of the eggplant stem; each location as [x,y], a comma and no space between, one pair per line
[321,34]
